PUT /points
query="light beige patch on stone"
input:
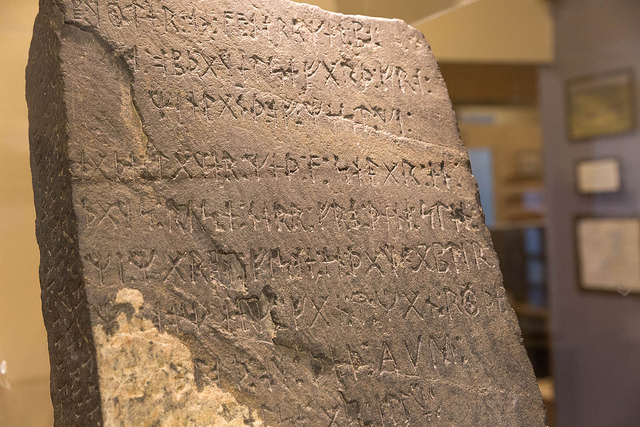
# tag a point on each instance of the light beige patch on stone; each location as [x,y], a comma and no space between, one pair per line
[147,378]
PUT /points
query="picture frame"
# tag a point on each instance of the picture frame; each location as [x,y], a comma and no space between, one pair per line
[528,164]
[608,254]
[598,176]
[601,105]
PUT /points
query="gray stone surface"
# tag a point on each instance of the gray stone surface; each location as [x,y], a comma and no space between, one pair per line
[257,212]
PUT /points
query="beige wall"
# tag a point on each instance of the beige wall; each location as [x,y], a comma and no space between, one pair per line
[22,335]
[498,31]
[407,10]
[512,31]
[324,4]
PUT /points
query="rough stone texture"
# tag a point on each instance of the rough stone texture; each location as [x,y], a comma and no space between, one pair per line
[139,386]
[258,212]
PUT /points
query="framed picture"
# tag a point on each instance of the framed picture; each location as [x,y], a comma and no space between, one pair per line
[601,105]
[608,252]
[598,176]
[528,164]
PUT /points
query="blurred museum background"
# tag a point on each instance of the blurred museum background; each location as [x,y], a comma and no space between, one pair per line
[546,97]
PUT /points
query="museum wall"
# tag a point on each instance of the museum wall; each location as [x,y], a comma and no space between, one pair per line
[596,336]
[24,389]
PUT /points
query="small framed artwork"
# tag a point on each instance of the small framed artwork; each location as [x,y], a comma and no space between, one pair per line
[528,164]
[598,176]
[601,105]
[608,251]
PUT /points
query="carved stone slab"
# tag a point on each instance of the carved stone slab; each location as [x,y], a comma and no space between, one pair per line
[258,212]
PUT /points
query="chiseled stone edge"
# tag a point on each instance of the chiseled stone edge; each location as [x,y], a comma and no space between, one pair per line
[72,354]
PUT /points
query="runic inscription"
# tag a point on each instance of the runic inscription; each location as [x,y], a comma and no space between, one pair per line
[260,212]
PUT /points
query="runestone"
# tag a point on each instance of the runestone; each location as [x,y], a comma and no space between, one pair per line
[257,212]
